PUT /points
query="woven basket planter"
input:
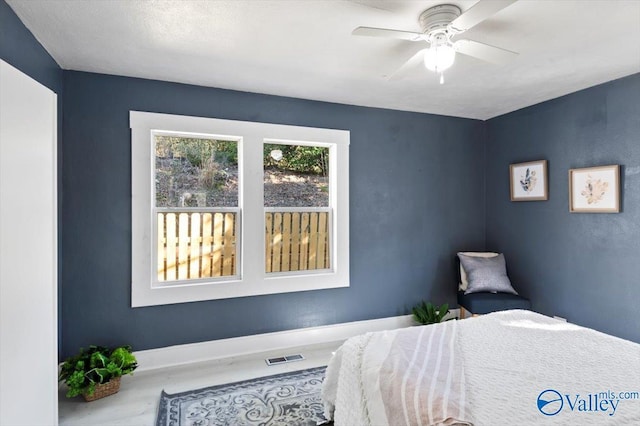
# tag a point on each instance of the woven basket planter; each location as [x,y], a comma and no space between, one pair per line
[104,389]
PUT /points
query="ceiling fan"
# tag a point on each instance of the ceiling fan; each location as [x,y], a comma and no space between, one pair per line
[440,24]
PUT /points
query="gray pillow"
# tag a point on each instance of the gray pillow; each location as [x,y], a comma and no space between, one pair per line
[486,274]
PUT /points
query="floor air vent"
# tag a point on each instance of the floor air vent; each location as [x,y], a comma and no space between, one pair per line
[284,359]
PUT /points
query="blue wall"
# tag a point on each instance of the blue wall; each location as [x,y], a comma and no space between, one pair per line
[584,267]
[416,197]
[20,48]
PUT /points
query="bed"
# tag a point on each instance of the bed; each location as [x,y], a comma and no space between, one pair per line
[512,367]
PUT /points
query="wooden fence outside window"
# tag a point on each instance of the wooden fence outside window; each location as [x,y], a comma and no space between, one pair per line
[198,244]
[297,240]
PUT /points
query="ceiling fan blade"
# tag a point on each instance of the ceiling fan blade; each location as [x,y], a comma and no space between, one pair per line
[387,33]
[486,52]
[412,62]
[478,13]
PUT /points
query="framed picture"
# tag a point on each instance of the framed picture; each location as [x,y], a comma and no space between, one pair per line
[529,181]
[594,190]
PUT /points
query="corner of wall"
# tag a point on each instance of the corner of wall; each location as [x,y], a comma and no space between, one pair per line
[485,142]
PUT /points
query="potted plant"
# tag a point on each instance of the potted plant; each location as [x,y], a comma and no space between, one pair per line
[95,372]
[427,313]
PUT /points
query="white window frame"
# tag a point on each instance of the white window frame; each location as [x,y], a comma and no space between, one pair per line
[155,283]
[251,278]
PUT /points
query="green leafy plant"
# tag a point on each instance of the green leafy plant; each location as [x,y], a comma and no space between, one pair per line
[196,151]
[298,158]
[427,313]
[95,365]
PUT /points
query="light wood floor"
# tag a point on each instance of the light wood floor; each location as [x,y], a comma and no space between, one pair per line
[137,402]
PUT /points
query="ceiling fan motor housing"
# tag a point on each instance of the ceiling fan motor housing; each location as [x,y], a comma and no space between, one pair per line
[435,20]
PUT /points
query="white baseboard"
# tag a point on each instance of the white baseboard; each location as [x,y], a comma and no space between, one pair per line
[170,356]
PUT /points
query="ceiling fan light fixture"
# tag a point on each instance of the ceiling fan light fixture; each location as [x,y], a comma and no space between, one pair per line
[439,58]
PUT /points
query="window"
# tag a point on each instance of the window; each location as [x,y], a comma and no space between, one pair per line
[297,208]
[196,208]
[225,208]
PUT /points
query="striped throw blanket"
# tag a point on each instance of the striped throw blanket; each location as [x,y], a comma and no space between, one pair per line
[410,376]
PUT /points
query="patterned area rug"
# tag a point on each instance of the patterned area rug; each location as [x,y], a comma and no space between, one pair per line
[284,399]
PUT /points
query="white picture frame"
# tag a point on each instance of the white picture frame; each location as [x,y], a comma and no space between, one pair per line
[594,189]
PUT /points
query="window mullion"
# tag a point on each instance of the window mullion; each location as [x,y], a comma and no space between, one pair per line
[251,199]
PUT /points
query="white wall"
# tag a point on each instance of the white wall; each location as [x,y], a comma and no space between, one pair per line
[28,251]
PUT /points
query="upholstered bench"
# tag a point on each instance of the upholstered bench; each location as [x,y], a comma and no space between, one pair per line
[486,298]
[484,303]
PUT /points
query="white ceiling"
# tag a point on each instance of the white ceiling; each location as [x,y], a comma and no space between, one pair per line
[304,48]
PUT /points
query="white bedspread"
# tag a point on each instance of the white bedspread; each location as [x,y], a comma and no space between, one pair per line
[507,361]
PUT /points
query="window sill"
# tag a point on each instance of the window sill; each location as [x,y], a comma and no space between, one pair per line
[183,293]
